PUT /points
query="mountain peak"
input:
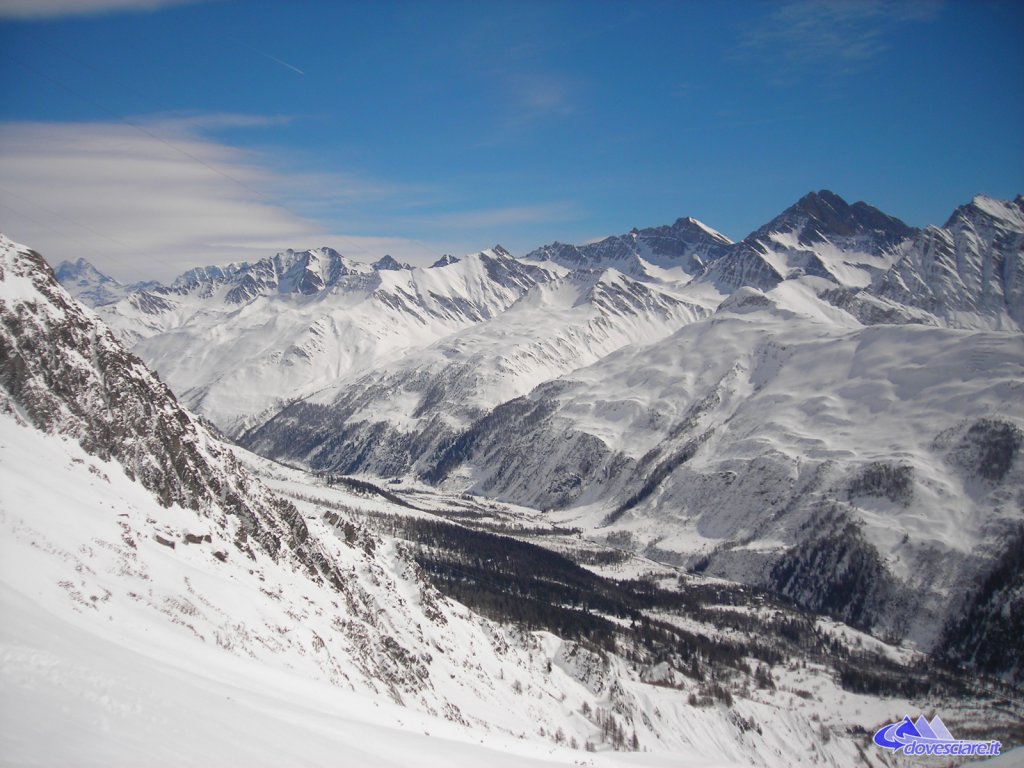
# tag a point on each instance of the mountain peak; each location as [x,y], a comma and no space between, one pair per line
[822,198]
[1006,212]
[823,215]
[90,286]
[74,267]
[389,262]
[688,223]
[445,260]
[81,270]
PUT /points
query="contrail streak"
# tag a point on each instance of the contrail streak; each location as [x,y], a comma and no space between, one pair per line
[282,63]
[265,55]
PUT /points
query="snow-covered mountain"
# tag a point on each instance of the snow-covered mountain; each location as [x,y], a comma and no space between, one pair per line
[240,342]
[819,236]
[391,419]
[90,286]
[791,410]
[968,274]
[796,427]
[162,605]
[682,250]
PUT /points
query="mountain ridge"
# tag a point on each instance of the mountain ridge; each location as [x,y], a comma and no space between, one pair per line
[627,384]
[778,250]
[597,446]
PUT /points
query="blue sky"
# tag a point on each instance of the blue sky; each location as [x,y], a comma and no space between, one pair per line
[149,136]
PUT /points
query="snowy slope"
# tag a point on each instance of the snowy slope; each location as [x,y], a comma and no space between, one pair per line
[119,649]
[404,411]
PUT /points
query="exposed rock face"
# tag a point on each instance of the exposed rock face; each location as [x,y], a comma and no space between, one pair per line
[820,217]
[63,371]
[970,273]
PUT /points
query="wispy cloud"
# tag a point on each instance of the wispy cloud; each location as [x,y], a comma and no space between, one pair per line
[190,123]
[831,36]
[49,9]
[528,87]
[142,205]
[530,100]
[541,95]
[492,218]
[156,195]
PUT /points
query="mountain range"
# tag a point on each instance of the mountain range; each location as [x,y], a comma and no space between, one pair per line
[829,409]
[630,495]
[170,599]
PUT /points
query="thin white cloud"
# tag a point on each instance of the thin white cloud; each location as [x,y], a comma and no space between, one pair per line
[139,205]
[50,9]
[830,36]
[188,123]
[492,218]
[531,99]
[541,95]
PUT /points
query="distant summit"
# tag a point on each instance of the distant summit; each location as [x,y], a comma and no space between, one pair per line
[388,262]
[687,244]
[444,261]
[87,284]
[824,215]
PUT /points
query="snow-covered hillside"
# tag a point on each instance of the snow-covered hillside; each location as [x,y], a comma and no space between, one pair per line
[239,342]
[829,407]
[387,420]
[782,437]
[118,648]
[799,426]
[163,606]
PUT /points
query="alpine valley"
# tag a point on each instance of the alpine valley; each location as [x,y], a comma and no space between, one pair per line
[662,494]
